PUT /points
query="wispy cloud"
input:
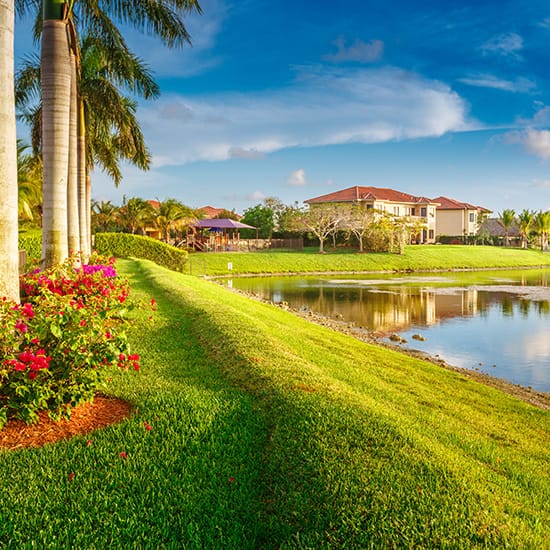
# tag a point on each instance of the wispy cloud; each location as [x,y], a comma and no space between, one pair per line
[321,108]
[297,178]
[242,153]
[545,23]
[507,44]
[544,184]
[363,52]
[519,85]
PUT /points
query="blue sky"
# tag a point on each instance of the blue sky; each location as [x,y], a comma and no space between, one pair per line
[294,99]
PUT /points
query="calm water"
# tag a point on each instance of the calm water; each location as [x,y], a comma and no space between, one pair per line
[496,322]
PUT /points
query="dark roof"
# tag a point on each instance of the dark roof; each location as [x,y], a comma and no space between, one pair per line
[445,203]
[223,223]
[494,227]
[358,193]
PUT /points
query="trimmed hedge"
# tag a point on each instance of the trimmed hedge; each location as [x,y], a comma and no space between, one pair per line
[32,244]
[126,245]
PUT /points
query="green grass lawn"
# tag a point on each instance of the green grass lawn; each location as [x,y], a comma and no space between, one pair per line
[270,432]
[415,258]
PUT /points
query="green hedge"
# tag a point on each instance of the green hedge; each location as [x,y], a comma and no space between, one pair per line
[32,244]
[126,245]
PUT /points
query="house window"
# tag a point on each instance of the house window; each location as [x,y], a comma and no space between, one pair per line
[396,210]
[472,217]
[370,206]
[431,233]
[423,211]
[413,211]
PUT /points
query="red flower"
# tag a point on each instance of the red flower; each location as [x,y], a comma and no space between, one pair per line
[123,455]
[82,322]
[231,479]
[21,326]
[71,476]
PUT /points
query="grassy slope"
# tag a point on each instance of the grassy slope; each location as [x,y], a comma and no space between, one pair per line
[271,432]
[416,258]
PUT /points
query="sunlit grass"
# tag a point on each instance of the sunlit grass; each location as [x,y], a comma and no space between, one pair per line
[270,432]
[415,258]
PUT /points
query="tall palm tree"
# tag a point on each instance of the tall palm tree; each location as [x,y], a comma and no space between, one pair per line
[158,17]
[525,222]
[507,218]
[9,256]
[108,129]
[172,215]
[541,224]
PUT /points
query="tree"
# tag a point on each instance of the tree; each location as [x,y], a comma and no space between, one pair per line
[135,213]
[525,222]
[9,256]
[171,215]
[507,218]
[321,220]
[261,217]
[541,224]
[104,214]
[359,221]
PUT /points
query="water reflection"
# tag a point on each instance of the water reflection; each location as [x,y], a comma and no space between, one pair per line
[491,321]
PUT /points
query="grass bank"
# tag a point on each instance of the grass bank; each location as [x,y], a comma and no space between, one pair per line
[270,432]
[415,258]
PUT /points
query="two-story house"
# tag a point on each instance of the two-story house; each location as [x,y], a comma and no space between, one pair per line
[390,201]
[457,219]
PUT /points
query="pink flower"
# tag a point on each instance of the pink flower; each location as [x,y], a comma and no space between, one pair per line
[21,326]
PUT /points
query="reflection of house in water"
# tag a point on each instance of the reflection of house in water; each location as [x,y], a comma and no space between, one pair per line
[394,309]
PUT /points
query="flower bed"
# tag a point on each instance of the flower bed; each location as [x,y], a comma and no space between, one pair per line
[57,343]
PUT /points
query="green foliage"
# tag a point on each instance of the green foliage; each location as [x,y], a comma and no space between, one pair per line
[126,245]
[56,344]
[31,242]
[261,217]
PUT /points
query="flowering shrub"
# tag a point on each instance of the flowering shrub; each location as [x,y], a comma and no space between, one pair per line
[56,344]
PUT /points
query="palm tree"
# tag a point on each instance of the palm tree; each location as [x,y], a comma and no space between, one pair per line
[541,224]
[172,215]
[113,133]
[104,213]
[507,218]
[164,19]
[135,213]
[525,222]
[9,256]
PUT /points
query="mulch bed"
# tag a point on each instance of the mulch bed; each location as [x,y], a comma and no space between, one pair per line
[104,411]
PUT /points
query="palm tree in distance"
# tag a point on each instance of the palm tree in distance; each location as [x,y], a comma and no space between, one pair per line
[172,215]
[135,213]
[104,214]
[541,224]
[525,223]
[507,218]
[29,182]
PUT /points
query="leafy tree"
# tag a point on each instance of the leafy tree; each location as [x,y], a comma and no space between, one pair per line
[172,215]
[261,217]
[135,213]
[227,215]
[104,214]
[29,180]
[321,220]
[507,219]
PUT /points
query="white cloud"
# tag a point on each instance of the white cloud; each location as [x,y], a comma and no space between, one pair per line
[545,23]
[543,184]
[242,153]
[364,52]
[297,178]
[321,108]
[506,44]
[257,196]
[535,142]
[489,81]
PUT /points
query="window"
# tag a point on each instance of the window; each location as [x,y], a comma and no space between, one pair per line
[431,233]
[413,211]
[370,206]
[472,217]
[423,211]
[396,210]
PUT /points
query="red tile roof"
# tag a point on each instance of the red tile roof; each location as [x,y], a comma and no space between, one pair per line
[369,193]
[452,204]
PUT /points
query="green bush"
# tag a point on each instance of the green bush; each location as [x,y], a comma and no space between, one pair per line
[126,245]
[32,243]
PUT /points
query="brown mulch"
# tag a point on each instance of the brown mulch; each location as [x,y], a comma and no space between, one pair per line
[104,411]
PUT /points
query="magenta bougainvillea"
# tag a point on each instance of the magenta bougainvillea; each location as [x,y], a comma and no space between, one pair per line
[71,325]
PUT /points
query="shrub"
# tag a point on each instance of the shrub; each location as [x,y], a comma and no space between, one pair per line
[32,244]
[126,245]
[56,344]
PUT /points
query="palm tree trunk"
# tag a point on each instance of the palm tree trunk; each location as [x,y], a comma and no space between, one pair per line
[9,256]
[82,204]
[72,185]
[56,93]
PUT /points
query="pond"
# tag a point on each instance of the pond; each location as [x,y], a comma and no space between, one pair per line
[497,322]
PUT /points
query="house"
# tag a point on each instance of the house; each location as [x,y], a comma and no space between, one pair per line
[390,201]
[457,219]
[210,212]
